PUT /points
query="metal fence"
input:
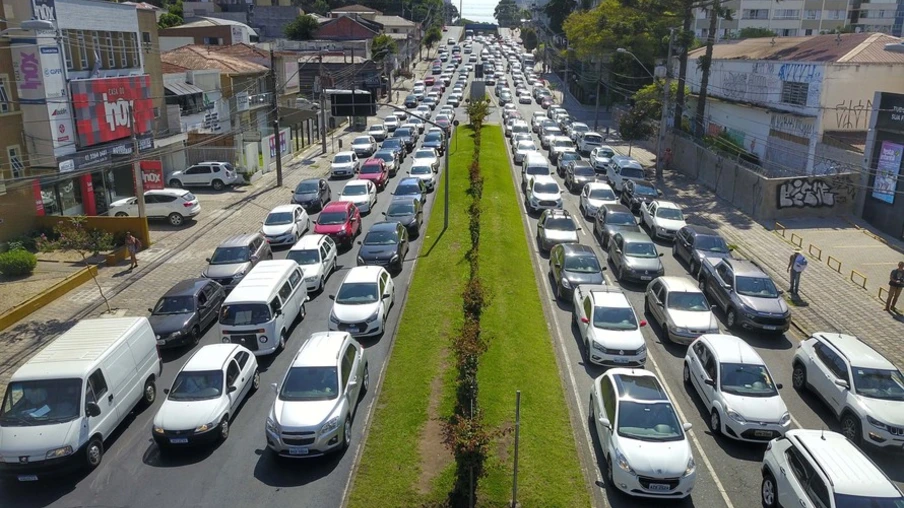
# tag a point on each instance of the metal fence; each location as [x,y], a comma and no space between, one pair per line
[196,154]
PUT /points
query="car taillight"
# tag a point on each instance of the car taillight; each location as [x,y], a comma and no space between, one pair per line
[188,204]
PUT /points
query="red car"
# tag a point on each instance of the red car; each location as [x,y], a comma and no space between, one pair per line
[439,87]
[546,102]
[341,221]
[375,171]
[429,81]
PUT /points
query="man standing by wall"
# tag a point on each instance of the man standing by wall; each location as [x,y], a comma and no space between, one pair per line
[796,265]
[895,283]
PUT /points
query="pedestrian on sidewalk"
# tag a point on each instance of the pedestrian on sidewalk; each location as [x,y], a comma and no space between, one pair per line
[132,245]
[895,283]
[796,266]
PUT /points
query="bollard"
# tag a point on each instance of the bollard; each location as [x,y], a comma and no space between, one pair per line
[881,290]
[817,254]
[836,268]
[780,228]
[860,275]
[799,242]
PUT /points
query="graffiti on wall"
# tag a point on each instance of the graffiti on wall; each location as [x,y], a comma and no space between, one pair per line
[815,192]
[751,87]
[854,116]
[800,73]
[792,124]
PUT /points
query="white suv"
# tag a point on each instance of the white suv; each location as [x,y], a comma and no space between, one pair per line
[172,204]
[645,446]
[862,388]
[206,174]
[821,468]
[543,193]
[362,303]
[608,326]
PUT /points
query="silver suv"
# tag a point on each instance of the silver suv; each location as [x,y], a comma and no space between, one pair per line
[235,257]
[206,174]
[746,294]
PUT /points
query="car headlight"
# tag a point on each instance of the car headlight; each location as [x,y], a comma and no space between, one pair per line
[263,339]
[226,340]
[360,260]
[331,425]
[678,329]
[373,317]
[595,345]
[622,462]
[691,467]
[566,284]
[876,423]
[59,452]
[734,415]
[341,232]
[176,334]
[272,426]
[333,318]
[394,258]
[661,229]
[642,349]
[158,430]
[785,418]
[206,427]
[238,275]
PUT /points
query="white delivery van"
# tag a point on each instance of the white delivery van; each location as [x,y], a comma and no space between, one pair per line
[263,306]
[66,400]
[535,164]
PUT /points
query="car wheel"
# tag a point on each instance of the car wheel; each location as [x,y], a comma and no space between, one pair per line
[731,319]
[94,452]
[850,427]
[176,219]
[768,491]
[610,481]
[559,295]
[346,434]
[195,336]
[256,380]
[322,283]
[224,428]
[217,185]
[715,422]
[365,383]
[687,375]
[282,341]
[587,349]
[694,269]
[176,184]
[149,394]
[646,306]
[122,214]
[799,377]
[675,250]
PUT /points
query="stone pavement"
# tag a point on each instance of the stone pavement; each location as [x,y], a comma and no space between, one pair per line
[830,302]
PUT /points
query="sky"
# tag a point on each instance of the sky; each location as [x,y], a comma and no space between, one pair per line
[477,10]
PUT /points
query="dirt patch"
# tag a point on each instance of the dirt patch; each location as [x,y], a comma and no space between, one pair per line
[434,454]
[504,441]
[15,290]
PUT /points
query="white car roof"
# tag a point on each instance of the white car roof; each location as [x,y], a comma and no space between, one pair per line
[308,242]
[285,208]
[598,185]
[167,192]
[544,179]
[667,204]
[611,299]
[210,357]
[857,352]
[357,182]
[363,274]
[348,153]
[320,350]
[731,349]
[683,284]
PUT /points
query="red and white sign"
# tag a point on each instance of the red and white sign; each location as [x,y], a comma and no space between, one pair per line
[106,108]
[152,174]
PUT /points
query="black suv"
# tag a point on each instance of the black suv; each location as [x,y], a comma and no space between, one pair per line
[185,311]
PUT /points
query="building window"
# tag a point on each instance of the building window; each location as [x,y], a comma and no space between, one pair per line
[811,14]
[212,41]
[795,93]
[837,14]
[121,50]
[146,41]
[808,31]
[787,32]
[67,49]
[108,47]
[82,50]
[134,51]
[15,161]
[6,103]
[787,14]
[755,14]
[395,30]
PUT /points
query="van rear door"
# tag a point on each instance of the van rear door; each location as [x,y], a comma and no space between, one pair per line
[122,379]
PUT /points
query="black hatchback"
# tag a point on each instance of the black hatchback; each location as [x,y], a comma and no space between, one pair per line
[312,194]
[411,101]
[386,245]
[185,311]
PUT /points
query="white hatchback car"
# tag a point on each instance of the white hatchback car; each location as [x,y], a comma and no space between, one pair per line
[363,193]
[318,397]
[645,446]
[344,164]
[680,308]
[317,256]
[594,195]
[174,205]
[205,396]
[662,218]
[285,224]
[425,173]
[543,193]
[608,326]
[736,388]
[362,302]
[426,156]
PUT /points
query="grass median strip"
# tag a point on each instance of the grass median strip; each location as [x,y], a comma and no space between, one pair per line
[520,356]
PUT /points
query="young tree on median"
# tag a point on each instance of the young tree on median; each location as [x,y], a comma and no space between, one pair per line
[529,38]
[75,236]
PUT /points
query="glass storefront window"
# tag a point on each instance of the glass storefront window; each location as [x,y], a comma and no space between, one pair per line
[49,196]
[101,197]
[70,193]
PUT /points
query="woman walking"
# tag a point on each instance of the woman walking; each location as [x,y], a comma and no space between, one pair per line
[132,244]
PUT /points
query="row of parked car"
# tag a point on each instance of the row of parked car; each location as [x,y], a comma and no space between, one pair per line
[645,447]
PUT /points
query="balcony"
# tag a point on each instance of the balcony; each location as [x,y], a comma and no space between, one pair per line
[260,100]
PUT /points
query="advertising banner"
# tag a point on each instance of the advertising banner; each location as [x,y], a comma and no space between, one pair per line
[152,174]
[38,70]
[106,108]
[887,170]
[44,10]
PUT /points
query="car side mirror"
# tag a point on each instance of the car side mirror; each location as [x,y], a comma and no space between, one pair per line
[712,308]
[386,295]
[207,259]
[332,297]
[274,387]
[687,426]
[352,382]
[254,259]
[779,386]
[842,383]
[709,382]
[643,323]
[232,389]
[780,291]
[661,254]
[658,192]
[358,242]
[384,214]
[92,409]
[150,310]
[166,391]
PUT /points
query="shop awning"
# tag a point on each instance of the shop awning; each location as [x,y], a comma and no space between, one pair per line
[182,88]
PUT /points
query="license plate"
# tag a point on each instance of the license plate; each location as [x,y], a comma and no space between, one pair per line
[621,360]
[161,342]
[298,450]
[28,478]
[661,487]
[762,433]
[646,277]
[178,440]
[352,329]
[770,327]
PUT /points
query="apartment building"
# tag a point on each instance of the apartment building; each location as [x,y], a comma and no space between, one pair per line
[789,18]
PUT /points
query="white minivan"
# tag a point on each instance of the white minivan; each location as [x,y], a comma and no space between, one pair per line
[535,164]
[66,400]
[260,310]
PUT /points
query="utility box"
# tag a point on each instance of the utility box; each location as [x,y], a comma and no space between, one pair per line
[478,90]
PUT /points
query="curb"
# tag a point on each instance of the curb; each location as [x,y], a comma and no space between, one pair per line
[45,297]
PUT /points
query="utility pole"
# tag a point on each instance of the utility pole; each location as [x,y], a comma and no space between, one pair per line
[136,164]
[322,108]
[596,109]
[663,121]
[565,75]
[274,103]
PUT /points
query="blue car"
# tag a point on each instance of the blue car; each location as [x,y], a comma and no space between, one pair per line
[411,188]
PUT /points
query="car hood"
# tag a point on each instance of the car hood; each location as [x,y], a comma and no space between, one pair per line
[628,340]
[306,196]
[695,320]
[770,305]
[887,411]
[374,177]
[361,146]
[670,224]
[413,195]
[578,278]
[326,229]
[542,196]
[425,178]
[277,229]
[302,414]
[756,409]
[164,324]
[217,271]
[404,219]
[312,270]
[584,178]
[377,251]
[433,143]
[355,313]
[342,165]
[560,236]
[36,440]
[363,198]
[417,162]
[666,459]
[188,414]
[636,263]
[714,256]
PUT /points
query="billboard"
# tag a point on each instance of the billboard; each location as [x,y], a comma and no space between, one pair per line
[106,108]
[44,10]
[886,182]
[38,70]
[151,174]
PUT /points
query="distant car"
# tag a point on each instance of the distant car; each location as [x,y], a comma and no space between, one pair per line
[183,313]
[374,169]
[386,245]
[521,150]
[312,194]
[361,192]
[558,145]
[587,141]
[205,396]
[285,224]
[362,302]
[407,211]
[600,157]
[429,80]
[341,220]
[638,192]
[621,169]
[235,257]
[426,156]
[573,264]
[344,164]
[565,159]
[390,122]
[575,130]
[443,121]
[555,227]
[577,174]
[397,145]
[680,308]
[423,111]
[174,205]
[546,101]
[663,219]
[634,258]
[746,294]
[378,132]
[547,133]
[406,136]
[317,256]
[436,141]
[217,175]
[425,173]
[411,187]
[694,243]
[390,159]
[593,196]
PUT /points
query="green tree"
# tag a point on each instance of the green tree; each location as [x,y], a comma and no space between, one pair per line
[451,12]
[529,38]
[558,11]
[321,7]
[383,46]
[477,113]
[648,100]
[74,235]
[506,13]
[633,127]
[168,20]
[755,33]
[302,28]
[612,25]
[433,35]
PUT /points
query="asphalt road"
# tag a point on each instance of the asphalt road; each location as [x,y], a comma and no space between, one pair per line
[240,471]
[728,472]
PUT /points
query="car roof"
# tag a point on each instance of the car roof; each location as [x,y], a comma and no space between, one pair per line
[544,179]
[188,287]
[616,207]
[210,357]
[241,240]
[374,162]
[576,249]
[357,182]
[359,138]
[363,274]
[349,153]
[667,204]
[599,185]
[848,469]
[284,208]
[609,296]
[731,349]
[637,384]
[674,283]
[336,206]
[701,230]
[317,180]
[410,179]
[857,352]
[634,237]
[321,350]
[166,192]
[744,267]
[308,241]
[383,226]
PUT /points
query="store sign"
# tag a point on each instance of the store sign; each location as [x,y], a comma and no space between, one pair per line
[152,174]
[890,114]
[242,101]
[44,9]
[887,169]
[283,143]
[108,109]
[85,159]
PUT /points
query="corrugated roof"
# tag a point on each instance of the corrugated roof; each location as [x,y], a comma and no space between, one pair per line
[182,88]
[355,8]
[393,21]
[843,48]
[199,58]
[242,50]
[168,68]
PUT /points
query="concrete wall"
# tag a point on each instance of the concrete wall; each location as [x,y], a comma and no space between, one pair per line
[17,210]
[848,93]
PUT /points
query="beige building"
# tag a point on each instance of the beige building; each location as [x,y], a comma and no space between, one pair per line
[789,18]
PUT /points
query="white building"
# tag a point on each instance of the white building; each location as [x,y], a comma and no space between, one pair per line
[786,99]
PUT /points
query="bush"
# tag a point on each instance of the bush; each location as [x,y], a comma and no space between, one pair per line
[17,262]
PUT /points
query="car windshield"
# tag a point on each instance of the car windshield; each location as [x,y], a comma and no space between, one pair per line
[648,421]
[710,244]
[561,224]
[278,218]
[361,141]
[614,318]
[175,305]
[563,143]
[632,173]
[537,170]
[385,156]
[669,213]
[390,119]
[401,132]
[197,385]
[304,257]
[41,402]
[421,170]
[407,189]
[852,501]
[644,190]
[546,188]
[591,140]
[641,250]
[621,219]
[433,137]
[686,300]
[310,384]
[342,159]
[400,209]
[582,264]
[378,129]
[392,143]
[371,169]
[230,255]
[242,314]
[307,188]
[381,238]
[758,287]
[603,195]
[747,380]
[357,293]
[584,171]
[879,383]
[354,190]
[552,131]
[332,218]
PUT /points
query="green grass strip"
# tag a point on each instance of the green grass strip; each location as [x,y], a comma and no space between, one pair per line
[520,356]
